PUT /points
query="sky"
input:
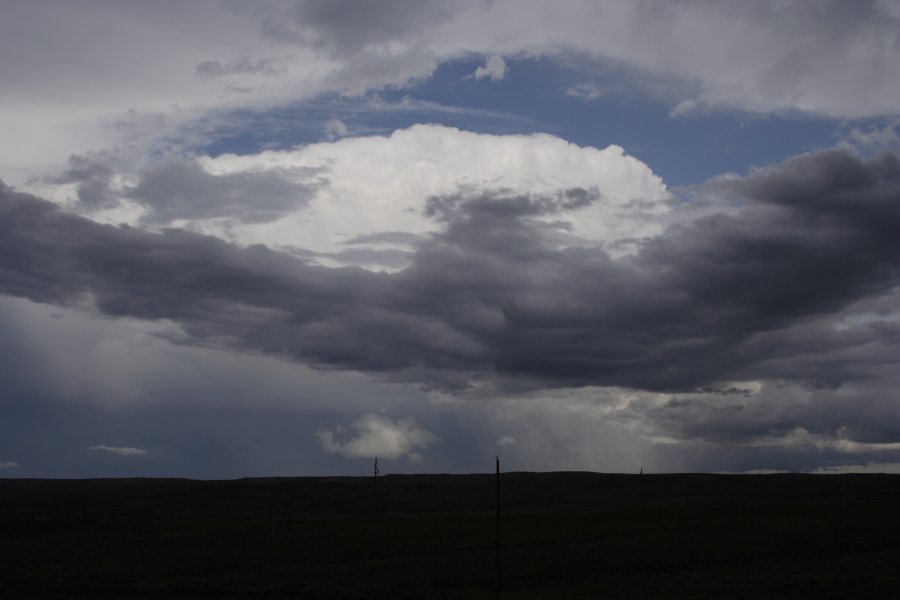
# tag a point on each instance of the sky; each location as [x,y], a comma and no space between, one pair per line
[284,238]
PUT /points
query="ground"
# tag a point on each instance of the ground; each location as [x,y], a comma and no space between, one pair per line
[562,535]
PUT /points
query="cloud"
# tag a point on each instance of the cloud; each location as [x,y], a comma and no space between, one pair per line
[385,250]
[94,179]
[392,259]
[377,436]
[851,419]
[492,293]
[494,68]
[506,441]
[826,58]
[586,91]
[8,464]
[182,189]
[145,72]
[757,309]
[358,46]
[780,56]
[120,450]
[401,238]
[864,468]
[382,183]
[213,69]
[348,28]
[686,107]
[335,129]
[327,193]
[876,138]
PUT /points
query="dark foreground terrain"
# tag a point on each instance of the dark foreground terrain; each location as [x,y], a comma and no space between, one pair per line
[563,535]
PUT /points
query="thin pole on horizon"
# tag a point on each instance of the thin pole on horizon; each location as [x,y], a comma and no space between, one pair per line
[498,527]
[375,486]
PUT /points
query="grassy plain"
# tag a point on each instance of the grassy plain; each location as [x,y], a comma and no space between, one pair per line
[563,535]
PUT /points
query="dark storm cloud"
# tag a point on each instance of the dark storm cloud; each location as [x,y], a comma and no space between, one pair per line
[183,189]
[778,412]
[252,298]
[753,294]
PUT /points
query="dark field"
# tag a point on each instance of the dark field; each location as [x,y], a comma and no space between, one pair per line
[563,535]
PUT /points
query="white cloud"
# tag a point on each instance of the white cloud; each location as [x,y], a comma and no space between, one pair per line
[685,108]
[381,183]
[875,138]
[506,441]
[586,91]
[335,128]
[494,68]
[8,464]
[120,450]
[379,436]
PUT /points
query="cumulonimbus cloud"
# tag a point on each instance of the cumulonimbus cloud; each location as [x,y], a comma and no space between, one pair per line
[379,185]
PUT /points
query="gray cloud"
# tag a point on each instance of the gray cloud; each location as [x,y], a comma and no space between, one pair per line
[213,69]
[183,189]
[831,58]
[752,294]
[94,178]
[345,28]
[375,44]
[503,205]
[793,62]
[782,409]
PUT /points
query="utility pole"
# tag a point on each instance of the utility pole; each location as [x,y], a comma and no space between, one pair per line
[375,486]
[498,528]
[641,479]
